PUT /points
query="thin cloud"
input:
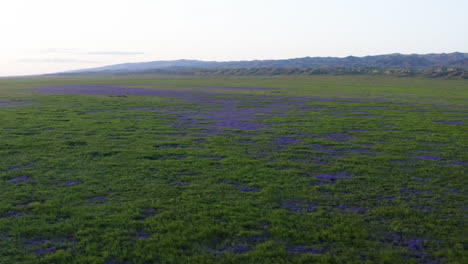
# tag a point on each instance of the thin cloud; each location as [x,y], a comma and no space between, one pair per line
[114,53]
[81,52]
[57,60]
[64,51]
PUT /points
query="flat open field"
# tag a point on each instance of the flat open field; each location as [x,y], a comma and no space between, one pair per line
[147,169]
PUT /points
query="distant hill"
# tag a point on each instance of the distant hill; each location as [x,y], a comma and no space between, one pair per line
[380,62]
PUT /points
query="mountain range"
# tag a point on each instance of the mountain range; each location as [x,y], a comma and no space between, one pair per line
[383,62]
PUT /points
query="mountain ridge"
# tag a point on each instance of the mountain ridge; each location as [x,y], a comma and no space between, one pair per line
[386,61]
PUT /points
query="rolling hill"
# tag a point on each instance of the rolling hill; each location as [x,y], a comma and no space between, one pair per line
[389,62]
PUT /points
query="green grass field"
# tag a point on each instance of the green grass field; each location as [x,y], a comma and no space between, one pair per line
[325,169]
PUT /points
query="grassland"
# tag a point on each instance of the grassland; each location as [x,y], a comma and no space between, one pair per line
[324,169]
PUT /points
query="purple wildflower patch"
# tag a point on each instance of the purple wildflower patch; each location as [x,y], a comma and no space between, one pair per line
[225,87]
[34,242]
[168,145]
[241,187]
[19,179]
[429,157]
[366,116]
[141,234]
[4,103]
[241,125]
[339,137]
[163,157]
[323,149]
[457,163]
[236,249]
[349,209]
[453,190]
[246,141]
[248,189]
[41,246]
[212,157]
[286,141]
[416,247]
[109,91]
[299,249]
[301,207]
[219,112]
[45,251]
[231,183]
[385,198]
[99,111]
[11,214]
[146,213]
[97,200]
[327,178]
[70,183]
[361,151]
[187,174]
[414,244]
[145,109]
[408,191]
[399,161]
[179,184]
[450,122]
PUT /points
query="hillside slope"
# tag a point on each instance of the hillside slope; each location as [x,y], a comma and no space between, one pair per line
[390,61]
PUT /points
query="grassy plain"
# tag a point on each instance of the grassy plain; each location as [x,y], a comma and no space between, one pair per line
[324,169]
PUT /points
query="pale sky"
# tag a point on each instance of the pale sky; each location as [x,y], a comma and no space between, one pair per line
[44,36]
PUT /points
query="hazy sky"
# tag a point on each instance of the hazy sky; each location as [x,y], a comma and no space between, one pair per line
[40,36]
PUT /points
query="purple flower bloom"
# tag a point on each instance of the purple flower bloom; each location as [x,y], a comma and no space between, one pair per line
[231,183]
[97,200]
[19,179]
[327,178]
[361,151]
[4,103]
[70,183]
[179,184]
[140,234]
[324,149]
[5,237]
[241,187]
[458,163]
[45,251]
[299,206]
[450,122]
[236,249]
[286,140]
[429,157]
[146,213]
[387,199]
[246,141]
[248,189]
[399,162]
[339,137]
[169,145]
[349,209]
[218,111]
[11,214]
[35,242]
[414,244]
[304,250]
[98,111]
[407,191]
